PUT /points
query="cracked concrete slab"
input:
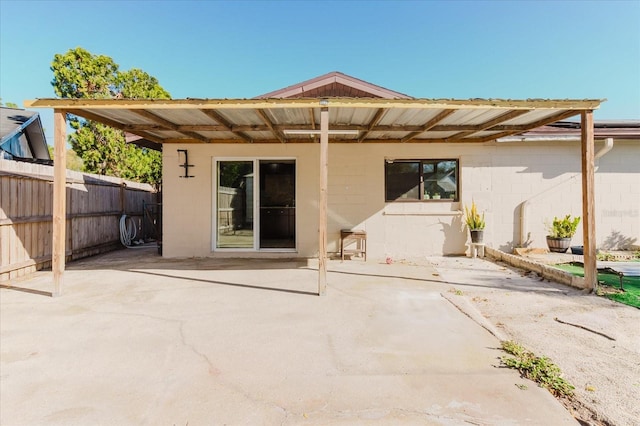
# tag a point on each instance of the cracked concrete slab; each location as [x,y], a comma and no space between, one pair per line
[137,339]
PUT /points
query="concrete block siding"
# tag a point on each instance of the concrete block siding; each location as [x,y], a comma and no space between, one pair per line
[499,177]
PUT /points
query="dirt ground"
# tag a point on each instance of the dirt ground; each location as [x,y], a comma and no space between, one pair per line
[595,341]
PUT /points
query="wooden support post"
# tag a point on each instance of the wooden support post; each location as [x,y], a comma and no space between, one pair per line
[59,200]
[588,201]
[322,219]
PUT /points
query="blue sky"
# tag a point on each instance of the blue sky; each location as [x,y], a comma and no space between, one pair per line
[427,49]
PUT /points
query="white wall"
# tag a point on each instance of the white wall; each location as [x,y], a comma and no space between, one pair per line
[498,176]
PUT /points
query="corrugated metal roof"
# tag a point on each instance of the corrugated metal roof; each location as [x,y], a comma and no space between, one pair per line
[375,119]
[617,129]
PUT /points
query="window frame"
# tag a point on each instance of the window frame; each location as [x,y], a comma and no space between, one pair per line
[421,162]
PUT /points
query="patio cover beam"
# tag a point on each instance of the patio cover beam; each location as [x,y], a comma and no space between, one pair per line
[168,124]
[428,125]
[263,116]
[220,119]
[375,120]
[491,123]
[88,115]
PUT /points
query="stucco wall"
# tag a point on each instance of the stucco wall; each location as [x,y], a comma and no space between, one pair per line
[499,177]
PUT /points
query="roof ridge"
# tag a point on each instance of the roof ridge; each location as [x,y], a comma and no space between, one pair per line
[334,77]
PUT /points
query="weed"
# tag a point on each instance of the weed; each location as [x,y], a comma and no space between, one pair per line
[539,369]
[522,386]
[456,292]
[607,257]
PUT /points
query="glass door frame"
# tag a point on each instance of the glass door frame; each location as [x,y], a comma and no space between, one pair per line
[256,205]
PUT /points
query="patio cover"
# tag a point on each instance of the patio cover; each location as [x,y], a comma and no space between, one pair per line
[309,120]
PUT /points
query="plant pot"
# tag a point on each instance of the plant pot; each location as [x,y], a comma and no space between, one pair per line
[577,249]
[558,245]
[477,235]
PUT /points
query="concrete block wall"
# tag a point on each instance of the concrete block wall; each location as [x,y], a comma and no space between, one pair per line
[499,177]
[545,271]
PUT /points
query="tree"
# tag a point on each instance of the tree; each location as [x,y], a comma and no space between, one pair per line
[9,104]
[103,149]
[73,161]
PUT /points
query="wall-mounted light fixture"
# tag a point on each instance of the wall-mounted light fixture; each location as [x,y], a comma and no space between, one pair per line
[186,164]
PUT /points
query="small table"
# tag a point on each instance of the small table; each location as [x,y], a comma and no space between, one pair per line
[477,249]
[351,235]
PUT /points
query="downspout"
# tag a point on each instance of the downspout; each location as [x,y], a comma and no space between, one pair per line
[524,206]
[608,146]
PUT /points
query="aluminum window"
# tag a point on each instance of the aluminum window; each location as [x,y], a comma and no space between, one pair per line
[422,180]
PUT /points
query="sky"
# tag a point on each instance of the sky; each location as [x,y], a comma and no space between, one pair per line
[426,49]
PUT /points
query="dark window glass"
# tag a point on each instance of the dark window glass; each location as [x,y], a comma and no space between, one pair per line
[403,180]
[421,180]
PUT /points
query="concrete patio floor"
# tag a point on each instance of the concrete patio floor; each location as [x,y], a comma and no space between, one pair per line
[137,339]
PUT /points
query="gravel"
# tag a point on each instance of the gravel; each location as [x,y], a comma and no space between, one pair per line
[594,341]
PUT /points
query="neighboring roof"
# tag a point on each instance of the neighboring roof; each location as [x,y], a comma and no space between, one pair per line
[22,136]
[13,121]
[571,130]
[372,120]
[142,142]
[334,84]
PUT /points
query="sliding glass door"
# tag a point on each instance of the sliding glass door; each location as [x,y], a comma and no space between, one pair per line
[255,204]
[277,204]
[235,198]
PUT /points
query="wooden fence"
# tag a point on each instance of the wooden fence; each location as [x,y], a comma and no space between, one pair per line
[94,207]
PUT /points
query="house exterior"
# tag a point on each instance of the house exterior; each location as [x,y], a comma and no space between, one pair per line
[282,174]
[536,176]
[22,137]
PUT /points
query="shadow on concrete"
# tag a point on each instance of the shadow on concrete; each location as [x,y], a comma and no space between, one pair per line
[284,290]
[27,290]
[543,287]
[149,263]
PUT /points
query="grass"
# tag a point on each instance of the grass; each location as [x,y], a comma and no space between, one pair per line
[611,283]
[539,369]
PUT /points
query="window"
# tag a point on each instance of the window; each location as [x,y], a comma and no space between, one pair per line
[407,180]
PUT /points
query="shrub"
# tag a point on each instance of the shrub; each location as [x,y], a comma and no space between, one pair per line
[563,228]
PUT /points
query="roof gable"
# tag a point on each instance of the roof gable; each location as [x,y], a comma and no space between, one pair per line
[334,84]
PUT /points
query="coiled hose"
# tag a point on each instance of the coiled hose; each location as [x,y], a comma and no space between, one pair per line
[127,233]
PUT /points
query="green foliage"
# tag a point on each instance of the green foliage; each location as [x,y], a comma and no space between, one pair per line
[73,161]
[473,219]
[456,292]
[9,104]
[103,149]
[78,74]
[539,369]
[607,257]
[563,228]
[137,84]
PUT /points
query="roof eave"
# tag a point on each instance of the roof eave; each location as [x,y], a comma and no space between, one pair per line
[190,103]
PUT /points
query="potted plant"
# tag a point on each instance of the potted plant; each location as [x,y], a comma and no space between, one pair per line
[475,222]
[560,233]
